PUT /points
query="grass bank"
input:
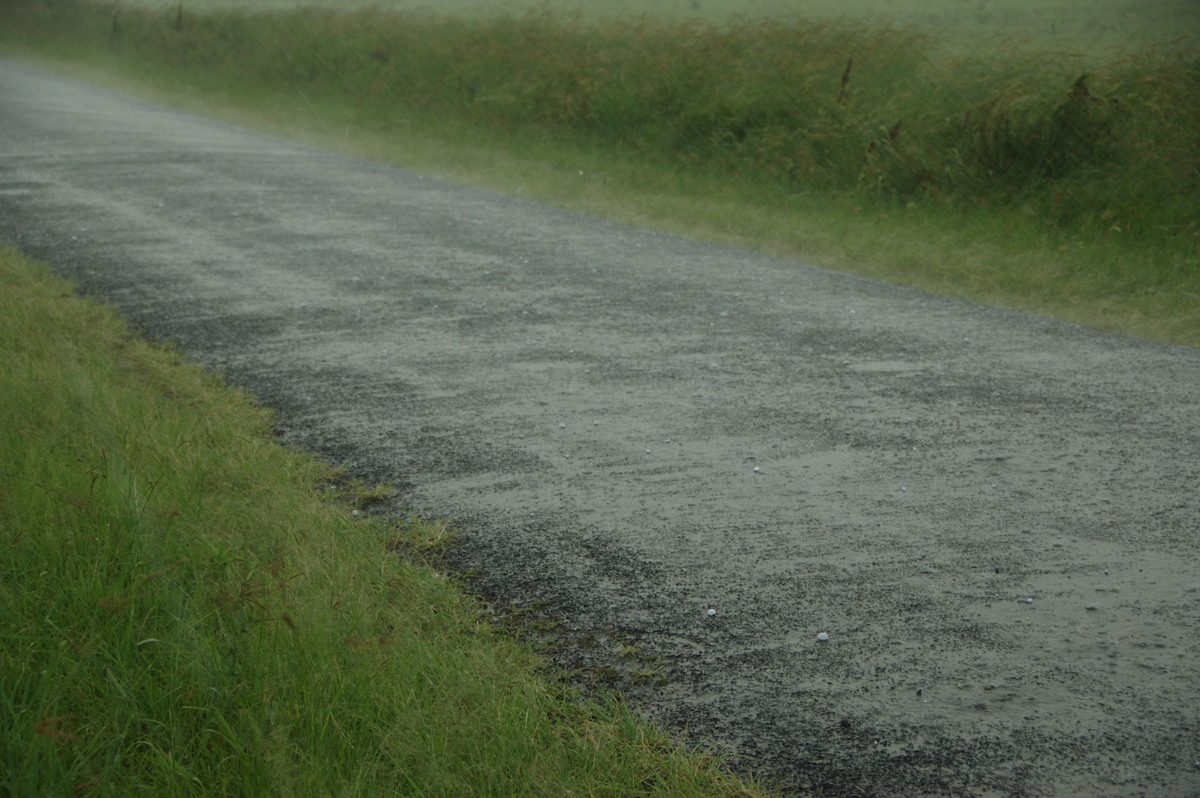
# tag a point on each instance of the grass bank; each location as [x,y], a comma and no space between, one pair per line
[187,609]
[1091,25]
[1060,182]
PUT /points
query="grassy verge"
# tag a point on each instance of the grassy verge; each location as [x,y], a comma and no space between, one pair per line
[1106,24]
[1064,183]
[184,610]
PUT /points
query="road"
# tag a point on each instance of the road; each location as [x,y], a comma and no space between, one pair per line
[992,516]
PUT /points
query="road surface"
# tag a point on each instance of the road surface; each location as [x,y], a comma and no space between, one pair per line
[697,460]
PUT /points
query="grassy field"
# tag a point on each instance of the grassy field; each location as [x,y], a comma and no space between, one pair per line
[187,608]
[1075,23]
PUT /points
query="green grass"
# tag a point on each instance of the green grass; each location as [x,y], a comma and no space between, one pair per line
[185,610]
[1060,181]
[1089,23]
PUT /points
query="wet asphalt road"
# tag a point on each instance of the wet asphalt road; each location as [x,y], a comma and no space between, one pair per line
[992,516]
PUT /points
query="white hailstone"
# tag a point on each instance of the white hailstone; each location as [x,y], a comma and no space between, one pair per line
[1028,601]
[711,613]
[757,470]
[823,637]
[562,426]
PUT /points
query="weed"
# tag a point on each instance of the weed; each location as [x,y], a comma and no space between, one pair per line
[427,539]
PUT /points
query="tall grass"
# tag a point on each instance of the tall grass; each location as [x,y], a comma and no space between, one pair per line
[1092,24]
[183,611]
